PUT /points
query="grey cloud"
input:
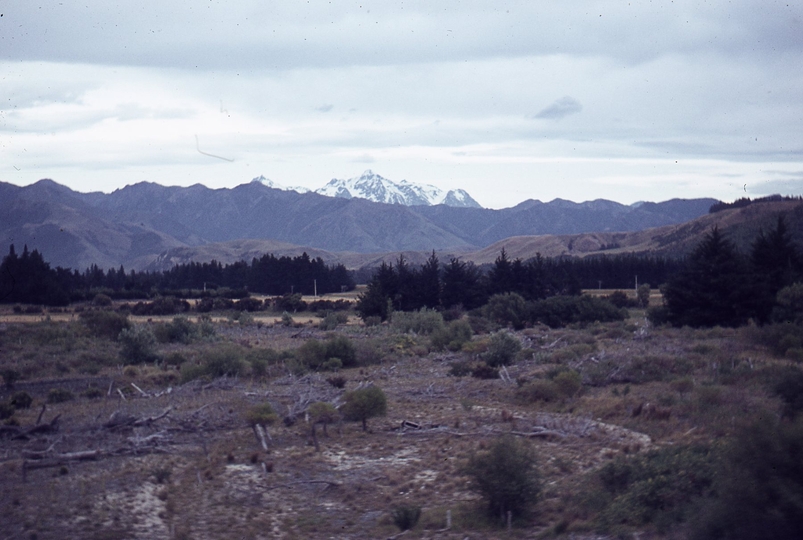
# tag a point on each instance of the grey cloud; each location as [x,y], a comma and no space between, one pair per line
[324,108]
[562,108]
[783,187]
[287,34]
[365,158]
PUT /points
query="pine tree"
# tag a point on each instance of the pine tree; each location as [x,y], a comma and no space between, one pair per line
[713,289]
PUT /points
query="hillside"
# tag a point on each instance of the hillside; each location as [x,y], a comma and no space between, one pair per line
[140,225]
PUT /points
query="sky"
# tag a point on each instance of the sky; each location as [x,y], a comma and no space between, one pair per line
[627,101]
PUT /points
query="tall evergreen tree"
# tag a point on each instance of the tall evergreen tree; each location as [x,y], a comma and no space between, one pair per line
[714,287]
[776,263]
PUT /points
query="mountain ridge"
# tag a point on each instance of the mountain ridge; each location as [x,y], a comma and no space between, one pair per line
[137,223]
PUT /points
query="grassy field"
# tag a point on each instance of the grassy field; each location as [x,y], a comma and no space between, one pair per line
[164,448]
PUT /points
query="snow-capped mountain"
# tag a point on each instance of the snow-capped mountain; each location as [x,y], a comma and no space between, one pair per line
[376,188]
[271,184]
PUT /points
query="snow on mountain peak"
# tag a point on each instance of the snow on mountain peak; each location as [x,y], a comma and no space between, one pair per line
[267,182]
[377,188]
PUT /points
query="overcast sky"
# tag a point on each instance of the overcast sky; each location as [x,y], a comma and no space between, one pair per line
[580,100]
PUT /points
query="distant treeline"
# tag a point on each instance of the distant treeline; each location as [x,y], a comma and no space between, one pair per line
[27,278]
[457,283]
[747,201]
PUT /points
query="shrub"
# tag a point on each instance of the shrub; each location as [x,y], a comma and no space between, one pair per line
[329,322]
[502,349]
[460,369]
[262,414]
[406,517]
[93,393]
[568,382]
[59,395]
[102,300]
[10,377]
[104,324]
[659,487]
[452,337]
[21,400]
[506,476]
[507,309]
[138,345]
[223,361]
[558,311]
[364,403]
[423,322]
[758,487]
[314,353]
[789,304]
[538,390]
[338,381]
[287,319]
[788,385]
[643,295]
[180,330]
[484,371]
[621,300]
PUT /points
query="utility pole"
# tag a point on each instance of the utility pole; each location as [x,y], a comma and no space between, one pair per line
[315,282]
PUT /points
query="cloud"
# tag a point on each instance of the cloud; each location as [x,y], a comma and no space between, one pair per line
[562,108]
[365,158]
[324,108]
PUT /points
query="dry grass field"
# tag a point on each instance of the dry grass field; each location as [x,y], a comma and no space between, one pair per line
[139,451]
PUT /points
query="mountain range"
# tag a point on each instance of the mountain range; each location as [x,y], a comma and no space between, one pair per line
[145,224]
[376,188]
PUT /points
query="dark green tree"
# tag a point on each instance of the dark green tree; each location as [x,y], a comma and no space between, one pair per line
[506,476]
[713,289]
[364,403]
[776,263]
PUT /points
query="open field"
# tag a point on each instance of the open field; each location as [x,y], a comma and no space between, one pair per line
[138,453]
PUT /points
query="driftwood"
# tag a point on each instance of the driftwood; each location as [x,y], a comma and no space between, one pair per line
[122,420]
[291,484]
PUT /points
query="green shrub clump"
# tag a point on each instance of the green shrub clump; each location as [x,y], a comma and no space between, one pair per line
[452,336]
[406,517]
[506,476]
[558,311]
[104,324]
[138,345]
[507,309]
[262,415]
[423,322]
[658,488]
[364,403]
[318,355]
[502,349]
[59,395]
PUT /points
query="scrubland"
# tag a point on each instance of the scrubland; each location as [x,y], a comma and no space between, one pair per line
[200,427]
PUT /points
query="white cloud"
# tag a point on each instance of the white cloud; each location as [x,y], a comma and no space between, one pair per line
[676,96]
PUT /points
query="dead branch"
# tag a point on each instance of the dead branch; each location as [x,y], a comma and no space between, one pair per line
[39,418]
[291,484]
[120,420]
[140,390]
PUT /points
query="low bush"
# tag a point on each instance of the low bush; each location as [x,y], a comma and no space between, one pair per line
[661,487]
[179,330]
[364,403]
[262,414]
[21,400]
[481,370]
[508,309]
[138,345]
[7,410]
[104,324]
[406,517]
[314,354]
[502,349]
[758,485]
[453,336]
[506,476]
[559,311]
[59,395]
[423,322]
[223,361]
